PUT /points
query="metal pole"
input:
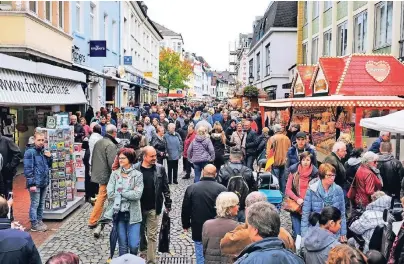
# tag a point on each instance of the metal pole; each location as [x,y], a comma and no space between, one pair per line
[398,147]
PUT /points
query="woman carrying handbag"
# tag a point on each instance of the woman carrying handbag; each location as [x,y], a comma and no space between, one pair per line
[296,187]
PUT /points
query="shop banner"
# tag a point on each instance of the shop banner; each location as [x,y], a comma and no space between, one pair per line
[20,88]
[98,48]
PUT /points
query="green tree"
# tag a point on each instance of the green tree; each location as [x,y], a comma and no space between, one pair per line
[251,91]
[173,71]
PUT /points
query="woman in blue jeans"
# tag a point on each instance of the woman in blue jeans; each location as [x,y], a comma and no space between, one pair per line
[124,189]
[298,183]
[201,151]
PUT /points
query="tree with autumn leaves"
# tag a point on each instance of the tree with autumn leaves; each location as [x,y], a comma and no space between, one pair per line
[173,71]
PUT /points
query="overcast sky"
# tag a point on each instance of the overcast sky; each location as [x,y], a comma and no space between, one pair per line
[208,26]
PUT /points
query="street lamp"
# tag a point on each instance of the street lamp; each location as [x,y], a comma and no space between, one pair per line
[250,79]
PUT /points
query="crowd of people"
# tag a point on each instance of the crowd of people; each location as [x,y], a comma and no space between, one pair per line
[340,208]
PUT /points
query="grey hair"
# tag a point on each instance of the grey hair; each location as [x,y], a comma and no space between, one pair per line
[265,218]
[277,128]
[110,129]
[236,155]
[384,133]
[171,125]
[202,130]
[386,147]
[224,202]
[377,195]
[369,157]
[337,146]
[255,197]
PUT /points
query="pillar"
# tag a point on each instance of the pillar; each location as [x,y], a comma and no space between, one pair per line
[358,128]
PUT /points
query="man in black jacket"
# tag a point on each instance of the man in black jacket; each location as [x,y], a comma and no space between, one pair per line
[226,121]
[198,206]
[79,132]
[234,168]
[11,158]
[391,170]
[155,191]
[251,145]
[232,127]
[16,246]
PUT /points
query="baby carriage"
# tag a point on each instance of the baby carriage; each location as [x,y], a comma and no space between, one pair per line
[268,184]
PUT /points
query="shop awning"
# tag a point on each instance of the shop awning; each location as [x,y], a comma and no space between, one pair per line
[386,123]
[21,88]
[337,100]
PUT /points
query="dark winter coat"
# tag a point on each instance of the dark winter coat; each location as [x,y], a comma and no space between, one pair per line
[218,145]
[340,177]
[160,145]
[36,167]
[351,167]
[226,125]
[270,250]
[229,131]
[293,156]
[262,145]
[227,171]
[201,150]
[198,205]
[162,191]
[79,133]
[212,232]
[392,173]
[11,157]
[251,143]
[122,135]
[103,156]
[16,246]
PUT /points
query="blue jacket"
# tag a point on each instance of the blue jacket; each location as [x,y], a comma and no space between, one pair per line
[270,250]
[36,167]
[174,145]
[293,157]
[16,246]
[313,202]
[376,145]
[217,117]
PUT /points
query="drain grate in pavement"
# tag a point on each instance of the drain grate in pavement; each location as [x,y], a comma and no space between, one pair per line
[176,260]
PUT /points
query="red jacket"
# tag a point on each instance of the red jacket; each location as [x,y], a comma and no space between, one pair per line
[187,142]
[366,184]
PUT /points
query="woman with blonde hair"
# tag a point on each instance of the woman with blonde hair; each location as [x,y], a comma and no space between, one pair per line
[197,117]
[201,151]
[227,205]
[219,142]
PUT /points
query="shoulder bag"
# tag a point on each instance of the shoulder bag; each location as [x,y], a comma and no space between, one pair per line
[291,205]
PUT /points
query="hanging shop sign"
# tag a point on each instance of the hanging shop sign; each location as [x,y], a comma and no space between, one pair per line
[98,48]
[147,74]
[378,70]
[127,60]
[20,88]
[110,71]
[77,56]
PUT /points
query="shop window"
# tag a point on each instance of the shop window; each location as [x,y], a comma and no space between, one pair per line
[306,13]
[314,51]
[251,67]
[342,38]
[258,66]
[33,6]
[360,28]
[114,36]
[327,43]
[383,16]
[61,14]
[78,16]
[106,28]
[304,51]
[48,10]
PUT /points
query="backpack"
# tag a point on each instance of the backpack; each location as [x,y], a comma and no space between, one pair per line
[238,185]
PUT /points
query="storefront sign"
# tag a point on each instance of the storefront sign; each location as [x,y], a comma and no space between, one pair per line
[127,60]
[78,57]
[122,72]
[98,48]
[110,71]
[148,74]
[378,70]
[20,88]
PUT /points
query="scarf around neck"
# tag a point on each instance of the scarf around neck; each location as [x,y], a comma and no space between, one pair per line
[327,196]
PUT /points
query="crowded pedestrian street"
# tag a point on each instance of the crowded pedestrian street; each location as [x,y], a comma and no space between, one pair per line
[197,132]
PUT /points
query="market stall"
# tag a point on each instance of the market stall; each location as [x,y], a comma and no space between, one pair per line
[339,93]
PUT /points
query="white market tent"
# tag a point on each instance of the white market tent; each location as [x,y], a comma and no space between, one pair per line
[393,123]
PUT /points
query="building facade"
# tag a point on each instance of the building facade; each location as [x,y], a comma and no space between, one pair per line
[272,49]
[338,28]
[140,41]
[172,40]
[239,60]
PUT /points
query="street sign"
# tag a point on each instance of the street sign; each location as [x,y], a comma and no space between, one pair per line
[127,60]
[147,74]
[98,48]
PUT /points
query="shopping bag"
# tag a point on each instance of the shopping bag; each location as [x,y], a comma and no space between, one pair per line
[164,237]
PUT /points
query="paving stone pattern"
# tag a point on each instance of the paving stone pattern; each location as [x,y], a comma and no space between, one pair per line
[76,237]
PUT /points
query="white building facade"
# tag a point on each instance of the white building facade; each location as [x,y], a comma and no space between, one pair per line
[140,40]
[273,49]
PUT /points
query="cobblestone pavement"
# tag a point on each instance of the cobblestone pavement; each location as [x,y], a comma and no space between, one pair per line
[76,237]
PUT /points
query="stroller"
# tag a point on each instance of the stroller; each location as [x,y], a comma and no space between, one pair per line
[268,184]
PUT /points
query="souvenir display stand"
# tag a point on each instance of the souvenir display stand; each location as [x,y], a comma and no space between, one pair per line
[330,98]
[78,155]
[128,117]
[61,198]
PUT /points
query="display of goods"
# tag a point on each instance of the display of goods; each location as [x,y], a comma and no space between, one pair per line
[323,128]
[331,126]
